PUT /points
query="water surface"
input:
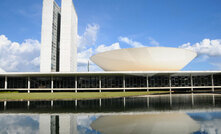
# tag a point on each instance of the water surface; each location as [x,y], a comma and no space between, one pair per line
[188,113]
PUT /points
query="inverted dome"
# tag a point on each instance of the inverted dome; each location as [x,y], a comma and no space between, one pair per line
[160,123]
[144,59]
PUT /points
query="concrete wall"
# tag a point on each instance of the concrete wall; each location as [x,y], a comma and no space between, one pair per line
[50,36]
[68,45]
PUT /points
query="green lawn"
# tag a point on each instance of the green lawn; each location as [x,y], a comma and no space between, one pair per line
[71,95]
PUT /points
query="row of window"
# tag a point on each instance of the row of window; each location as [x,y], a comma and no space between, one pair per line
[109,81]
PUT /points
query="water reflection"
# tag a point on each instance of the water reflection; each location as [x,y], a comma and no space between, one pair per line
[150,114]
[160,123]
[151,123]
[128,104]
[19,124]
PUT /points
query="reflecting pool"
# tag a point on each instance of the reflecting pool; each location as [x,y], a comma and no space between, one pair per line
[168,114]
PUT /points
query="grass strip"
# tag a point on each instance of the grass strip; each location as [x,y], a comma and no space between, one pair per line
[71,95]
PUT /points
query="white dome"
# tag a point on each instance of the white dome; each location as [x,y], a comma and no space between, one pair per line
[144,59]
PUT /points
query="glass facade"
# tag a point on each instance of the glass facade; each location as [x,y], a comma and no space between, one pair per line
[109,81]
[2,82]
[40,82]
[88,81]
[55,38]
[158,81]
[217,80]
[180,81]
[202,80]
[64,82]
[17,82]
[112,81]
[135,81]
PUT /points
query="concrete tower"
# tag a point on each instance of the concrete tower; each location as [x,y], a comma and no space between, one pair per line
[68,47]
[50,36]
[59,37]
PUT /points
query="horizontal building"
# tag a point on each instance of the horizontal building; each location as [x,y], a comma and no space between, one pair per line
[111,81]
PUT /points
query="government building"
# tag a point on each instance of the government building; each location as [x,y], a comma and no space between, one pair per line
[132,69]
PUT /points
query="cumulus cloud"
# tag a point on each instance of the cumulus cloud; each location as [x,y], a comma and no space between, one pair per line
[17,57]
[89,37]
[18,124]
[36,61]
[205,47]
[84,56]
[103,48]
[153,41]
[2,71]
[130,42]
[202,58]
[84,123]
[85,51]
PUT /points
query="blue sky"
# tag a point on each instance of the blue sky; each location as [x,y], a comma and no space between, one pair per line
[111,24]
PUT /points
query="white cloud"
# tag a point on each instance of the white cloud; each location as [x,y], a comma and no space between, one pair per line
[103,48]
[85,51]
[153,41]
[216,65]
[203,58]
[205,47]
[11,124]
[36,61]
[84,123]
[89,37]
[2,71]
[18,57]
[130,42]
[84,56]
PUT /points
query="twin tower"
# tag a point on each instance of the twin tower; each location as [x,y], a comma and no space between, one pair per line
[59,37]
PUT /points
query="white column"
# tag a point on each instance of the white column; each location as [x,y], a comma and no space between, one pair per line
[5,104]
[76,84]
[212,83]
[76,103]
[52,103]
[124,82]
[214,102]
[99,83]
[124,101]
[28,104]
[191,81]
[6,82]
[28,84]
[171,100]
[52,84]
[147,84]
[170,84]
[192,99]
[100,102]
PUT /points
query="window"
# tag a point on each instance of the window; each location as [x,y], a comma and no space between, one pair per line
[64,82]
[17,82]
[112,81]
[88,81]
[135,81]
[40,82]
[2,82]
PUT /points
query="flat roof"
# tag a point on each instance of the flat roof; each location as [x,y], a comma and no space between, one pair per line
[140,73]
